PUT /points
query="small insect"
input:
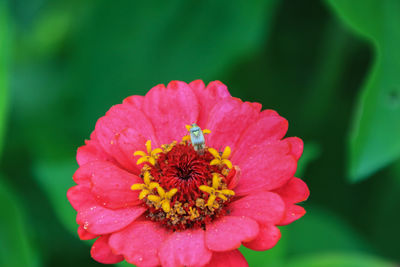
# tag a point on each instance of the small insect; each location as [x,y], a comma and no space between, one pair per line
[197,138]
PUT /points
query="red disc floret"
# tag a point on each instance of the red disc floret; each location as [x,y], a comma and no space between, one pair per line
[185,169]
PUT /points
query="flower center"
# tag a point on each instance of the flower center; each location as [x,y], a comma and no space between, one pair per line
[185,184]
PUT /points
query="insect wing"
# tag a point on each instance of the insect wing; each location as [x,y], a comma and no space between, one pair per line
[196,136]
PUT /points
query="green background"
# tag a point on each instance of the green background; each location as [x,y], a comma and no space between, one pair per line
[332,68]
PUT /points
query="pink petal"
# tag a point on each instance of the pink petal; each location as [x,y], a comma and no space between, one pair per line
[232,258]
[97,219]
[186,248]
[268,127]
[257,106]
[293,192]
[296,146]
[197,85]
[264,207]
[267,166]
[92,151]
[229,232]
[80,196]
[131,140]
[115,124]
[170,109]
[135,100]
[227,121]
[85,235]
[82,176]
[269,112]
[108,138]
[267,238]
[208,97]
[111,185]
[293,212]
[102,253]
[139,243]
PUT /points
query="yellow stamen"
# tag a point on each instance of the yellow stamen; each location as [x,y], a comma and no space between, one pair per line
[216,181]
[166,206]
[178,208]
[210,201]
[221,160]
[147,187]
[228,163]
[206,131]
[226,153]
[154,198]
[214,153]
[215,192]
[140,153]
[144,193]
[164,198]
[138,186]
[168,148]
[225,172]
[227,192]
[150,156]
[186,138]
[193,213]
[200,203]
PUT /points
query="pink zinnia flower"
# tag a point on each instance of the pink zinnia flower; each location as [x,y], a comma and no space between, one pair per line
[183,176]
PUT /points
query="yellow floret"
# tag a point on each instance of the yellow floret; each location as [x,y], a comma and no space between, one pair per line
[221,160]
[215,192]
[150,156]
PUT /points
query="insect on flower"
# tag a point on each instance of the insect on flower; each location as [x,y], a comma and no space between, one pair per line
[197,137]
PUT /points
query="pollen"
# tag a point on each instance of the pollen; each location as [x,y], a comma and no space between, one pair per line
[185,184]
[193,213]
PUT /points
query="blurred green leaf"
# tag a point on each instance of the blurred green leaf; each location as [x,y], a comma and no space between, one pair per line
[4,65]
[384,216]
[49,32]
[184,41]
[338,260]
[374,140]
[323,231]
[311,151]
[15,246]
[55,178]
